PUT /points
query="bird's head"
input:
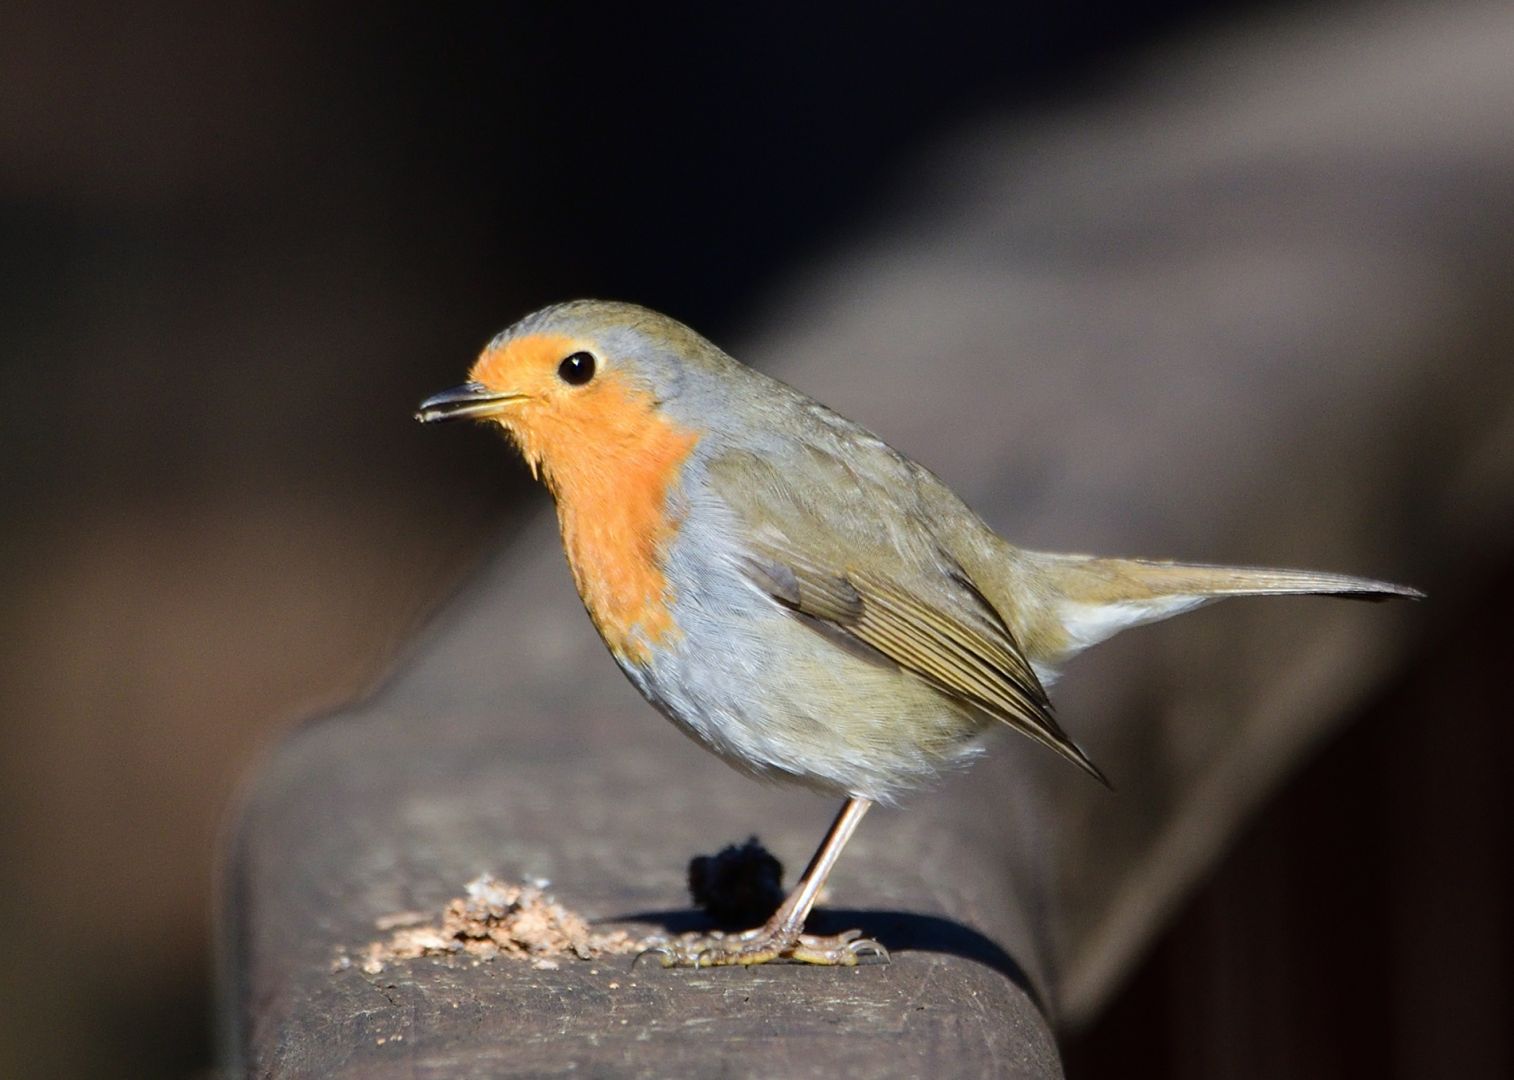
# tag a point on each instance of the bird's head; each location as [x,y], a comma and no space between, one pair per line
[586,384]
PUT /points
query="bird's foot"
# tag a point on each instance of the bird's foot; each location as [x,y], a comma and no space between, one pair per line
[766,945]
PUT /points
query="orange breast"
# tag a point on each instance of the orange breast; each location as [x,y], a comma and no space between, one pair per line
[612,491]
[611,460]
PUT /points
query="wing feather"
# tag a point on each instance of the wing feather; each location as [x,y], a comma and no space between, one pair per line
[921,613]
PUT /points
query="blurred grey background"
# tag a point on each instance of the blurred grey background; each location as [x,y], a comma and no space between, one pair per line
[239,244]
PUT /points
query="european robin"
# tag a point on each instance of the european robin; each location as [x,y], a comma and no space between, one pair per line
[794,594]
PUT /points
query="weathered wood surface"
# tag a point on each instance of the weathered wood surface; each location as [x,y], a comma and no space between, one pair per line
[396,807]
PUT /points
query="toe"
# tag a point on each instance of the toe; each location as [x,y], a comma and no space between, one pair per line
[841,950]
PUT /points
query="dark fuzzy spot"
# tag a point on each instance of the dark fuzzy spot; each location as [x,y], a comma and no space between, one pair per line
[739,887]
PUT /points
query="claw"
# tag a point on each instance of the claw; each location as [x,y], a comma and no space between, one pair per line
[868,951]
[665,952]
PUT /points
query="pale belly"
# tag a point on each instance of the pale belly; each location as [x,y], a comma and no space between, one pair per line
[781,701]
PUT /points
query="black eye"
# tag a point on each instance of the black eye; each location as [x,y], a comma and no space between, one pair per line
[576,369]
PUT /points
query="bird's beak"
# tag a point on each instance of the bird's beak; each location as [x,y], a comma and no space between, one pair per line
[462,402]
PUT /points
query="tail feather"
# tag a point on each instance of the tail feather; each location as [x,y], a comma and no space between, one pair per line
[1133,579]
[1093,599]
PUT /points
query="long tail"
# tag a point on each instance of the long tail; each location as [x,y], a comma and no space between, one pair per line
[1093,599]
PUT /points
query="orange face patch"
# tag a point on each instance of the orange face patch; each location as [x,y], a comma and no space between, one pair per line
[610,459]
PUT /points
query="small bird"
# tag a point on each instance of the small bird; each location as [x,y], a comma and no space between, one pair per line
[794,594]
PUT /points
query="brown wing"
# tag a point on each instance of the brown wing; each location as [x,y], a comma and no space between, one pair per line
[853,561]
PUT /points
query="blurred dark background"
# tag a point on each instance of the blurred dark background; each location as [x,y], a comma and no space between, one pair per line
[239,243]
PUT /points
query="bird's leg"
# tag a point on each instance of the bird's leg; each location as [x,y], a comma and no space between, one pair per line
[782,937]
